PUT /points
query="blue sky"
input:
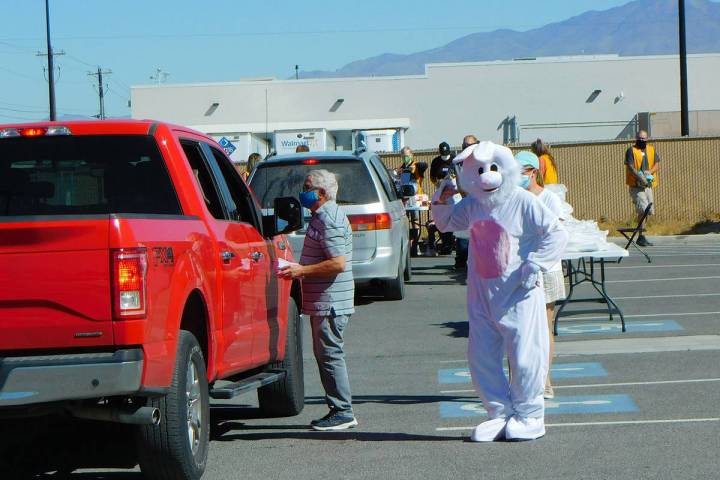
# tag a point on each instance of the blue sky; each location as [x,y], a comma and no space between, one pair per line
[225,40]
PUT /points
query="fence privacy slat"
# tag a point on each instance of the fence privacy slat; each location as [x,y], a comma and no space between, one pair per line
[594,174]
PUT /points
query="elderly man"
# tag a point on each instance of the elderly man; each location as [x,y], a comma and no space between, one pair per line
[328,291]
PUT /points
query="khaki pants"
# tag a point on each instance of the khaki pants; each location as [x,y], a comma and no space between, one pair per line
[642,197]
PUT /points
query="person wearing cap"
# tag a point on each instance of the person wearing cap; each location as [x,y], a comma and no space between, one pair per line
[440,167]
[553,280]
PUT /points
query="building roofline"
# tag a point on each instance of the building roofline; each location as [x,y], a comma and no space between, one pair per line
[428,66]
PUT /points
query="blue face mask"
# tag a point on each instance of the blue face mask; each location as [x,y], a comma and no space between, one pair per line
[525,182]
[308,199]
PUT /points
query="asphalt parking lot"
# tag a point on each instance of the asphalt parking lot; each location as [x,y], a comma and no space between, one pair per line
[639,404]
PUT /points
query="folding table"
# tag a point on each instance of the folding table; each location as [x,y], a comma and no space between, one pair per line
[589,266]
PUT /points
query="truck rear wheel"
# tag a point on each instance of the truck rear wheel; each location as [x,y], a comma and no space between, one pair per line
[287,397]
[178,447]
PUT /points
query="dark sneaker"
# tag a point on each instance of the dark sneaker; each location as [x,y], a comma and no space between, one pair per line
[643,242]
[318,420]
[335,421]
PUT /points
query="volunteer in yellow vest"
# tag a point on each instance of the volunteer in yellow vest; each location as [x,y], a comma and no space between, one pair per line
[548,165]
[641,166]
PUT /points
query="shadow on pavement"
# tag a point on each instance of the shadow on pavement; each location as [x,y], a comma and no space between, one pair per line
[393,399]
[457,329]
[344,435]
[92,476]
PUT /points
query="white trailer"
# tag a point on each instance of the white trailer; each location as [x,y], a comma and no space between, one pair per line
[317,140]
[387,140]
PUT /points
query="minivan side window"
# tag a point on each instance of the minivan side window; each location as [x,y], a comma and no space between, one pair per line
[240,199]
[204,178]
[384,176]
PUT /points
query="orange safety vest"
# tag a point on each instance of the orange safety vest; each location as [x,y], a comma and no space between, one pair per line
[630,179]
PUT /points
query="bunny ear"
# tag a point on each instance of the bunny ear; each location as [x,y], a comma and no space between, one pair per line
[464,154]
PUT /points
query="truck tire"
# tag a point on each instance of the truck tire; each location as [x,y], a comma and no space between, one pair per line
[177,449]
[395,288]
[286,397]
[407,273]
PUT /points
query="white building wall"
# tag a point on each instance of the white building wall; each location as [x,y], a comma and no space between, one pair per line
[451,100]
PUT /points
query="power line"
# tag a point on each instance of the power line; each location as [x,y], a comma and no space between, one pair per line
[487,29]
[17,117]
[20,74]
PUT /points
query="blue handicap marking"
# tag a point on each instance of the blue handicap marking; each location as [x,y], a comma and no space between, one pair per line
[589,328]
[558,405]
[454,375]
[575,370]
[559,370]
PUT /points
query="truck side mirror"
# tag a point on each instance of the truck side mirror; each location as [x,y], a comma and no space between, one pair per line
[285,218]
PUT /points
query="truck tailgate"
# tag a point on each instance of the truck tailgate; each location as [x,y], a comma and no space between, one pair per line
[55,284]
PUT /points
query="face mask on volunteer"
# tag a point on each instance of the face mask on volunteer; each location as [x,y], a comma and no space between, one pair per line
[641,143]
[525,181]
[308,199]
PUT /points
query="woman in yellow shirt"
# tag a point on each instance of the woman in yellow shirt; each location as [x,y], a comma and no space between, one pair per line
[548,165]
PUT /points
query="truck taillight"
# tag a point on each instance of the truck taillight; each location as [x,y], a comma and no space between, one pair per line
[129,277]
[372,221]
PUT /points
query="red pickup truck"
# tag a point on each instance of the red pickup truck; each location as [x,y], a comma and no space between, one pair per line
[137,272]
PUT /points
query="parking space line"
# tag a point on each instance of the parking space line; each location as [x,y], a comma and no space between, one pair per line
[618,422]
[582,404]
[699,254]
[635,267]
[667,279]
[643,315]
[558,370]
[621,384]
[596,328]
[670,296]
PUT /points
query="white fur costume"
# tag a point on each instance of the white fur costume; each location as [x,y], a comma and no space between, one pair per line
[513,237]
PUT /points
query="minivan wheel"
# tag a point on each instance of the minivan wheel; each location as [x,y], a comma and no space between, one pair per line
[395,288]
[407,273]
[177,449]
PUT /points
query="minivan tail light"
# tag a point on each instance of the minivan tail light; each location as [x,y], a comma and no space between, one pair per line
[129,282]
[372,221]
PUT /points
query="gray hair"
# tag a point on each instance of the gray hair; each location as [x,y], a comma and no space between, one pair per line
[325,181]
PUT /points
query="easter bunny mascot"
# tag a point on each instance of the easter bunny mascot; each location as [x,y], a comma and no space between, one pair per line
[513,238]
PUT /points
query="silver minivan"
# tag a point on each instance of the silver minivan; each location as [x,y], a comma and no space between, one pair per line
[366,193]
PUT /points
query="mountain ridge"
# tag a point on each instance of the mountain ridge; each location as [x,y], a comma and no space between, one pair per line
[612,31]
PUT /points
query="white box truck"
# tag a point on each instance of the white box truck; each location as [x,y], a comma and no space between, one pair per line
[319,140]
[387,140]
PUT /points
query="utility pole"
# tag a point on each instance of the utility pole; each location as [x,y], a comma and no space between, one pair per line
[101,92]
[51,67]
[684,115]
